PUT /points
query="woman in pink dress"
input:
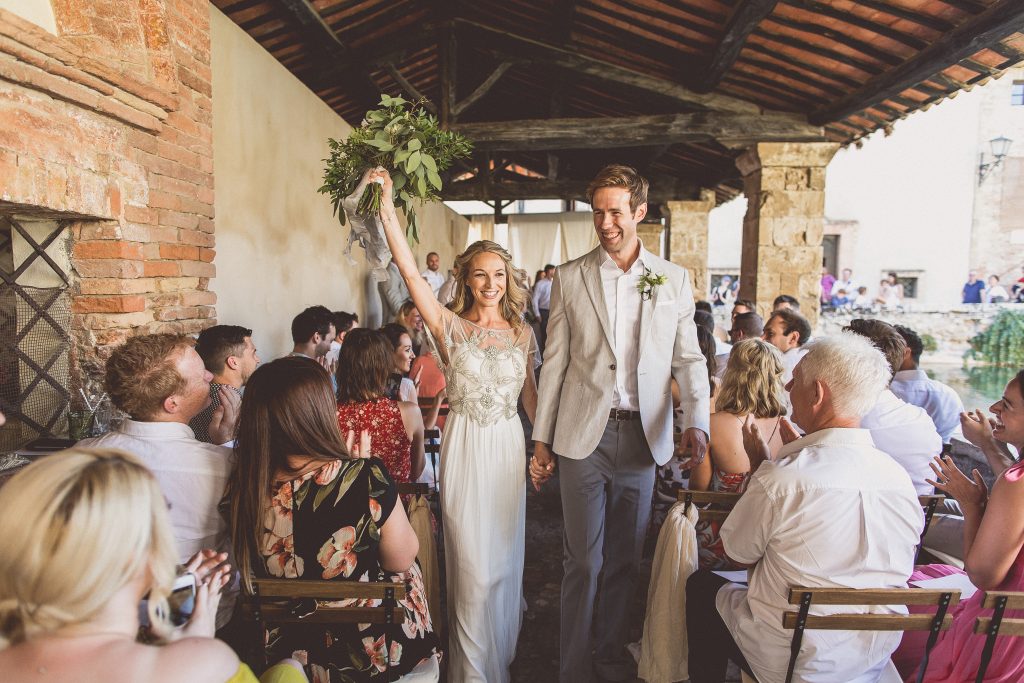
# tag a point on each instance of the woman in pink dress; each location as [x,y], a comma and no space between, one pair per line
[395,427]
[993,549]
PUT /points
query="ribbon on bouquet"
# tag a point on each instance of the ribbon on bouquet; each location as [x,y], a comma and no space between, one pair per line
[368,232]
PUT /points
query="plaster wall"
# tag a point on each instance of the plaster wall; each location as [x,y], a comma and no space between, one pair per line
[39,12]
[279,247]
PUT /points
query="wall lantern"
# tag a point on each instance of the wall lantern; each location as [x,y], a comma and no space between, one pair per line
[1000,147]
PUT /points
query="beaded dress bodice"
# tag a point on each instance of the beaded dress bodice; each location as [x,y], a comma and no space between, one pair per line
[484,368]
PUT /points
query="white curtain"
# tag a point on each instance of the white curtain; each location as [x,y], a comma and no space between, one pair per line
[481,227]
[578,234]
[534,240]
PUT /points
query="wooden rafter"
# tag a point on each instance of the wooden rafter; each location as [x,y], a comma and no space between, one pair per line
[745,18]
[527,49]
[1002,19]
[637,131]
[409,88]
[448,49]
[482,89]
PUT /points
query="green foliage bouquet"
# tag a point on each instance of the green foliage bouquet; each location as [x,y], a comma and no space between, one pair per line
[404,139]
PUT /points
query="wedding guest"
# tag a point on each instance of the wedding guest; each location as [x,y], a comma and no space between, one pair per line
[902,430]
[447,292]
[743,306]
[785,301]
[752,386]
[400,386]
[542,302]
[409,318]
[746,326]
[913,385]
[827,280]
[88,539]
[995,293]
[395,427]
[722,294]
[830,510]
[788,331]
[839,299]
[993,543]
[230,356]
[973,289]
[343,323]
[433,274]
[862,301]
[304,504]
[845,281]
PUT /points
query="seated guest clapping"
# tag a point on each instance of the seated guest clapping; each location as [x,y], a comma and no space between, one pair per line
[831,510]
[993,545]
[395,427]
[752,387]
[302,507]
[161,382]
[86,538]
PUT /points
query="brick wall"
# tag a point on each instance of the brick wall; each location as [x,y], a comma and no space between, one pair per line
[110,124]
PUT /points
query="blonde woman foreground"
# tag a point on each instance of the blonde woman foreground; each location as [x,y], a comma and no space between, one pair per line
[751,392]
[486,352]
[86,538]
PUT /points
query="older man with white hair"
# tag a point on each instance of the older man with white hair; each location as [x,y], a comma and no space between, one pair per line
[831,510]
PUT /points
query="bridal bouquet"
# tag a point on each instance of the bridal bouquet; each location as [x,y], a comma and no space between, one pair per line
[403,138]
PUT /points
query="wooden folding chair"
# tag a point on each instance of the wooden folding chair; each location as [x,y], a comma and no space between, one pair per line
[802,620]
[299,600]
[997,624]
[722,503]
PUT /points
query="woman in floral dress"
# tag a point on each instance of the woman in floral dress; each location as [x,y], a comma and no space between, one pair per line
[395,427]
[300,506]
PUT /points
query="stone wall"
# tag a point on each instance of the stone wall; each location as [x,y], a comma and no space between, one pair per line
[952,328]
[109,125]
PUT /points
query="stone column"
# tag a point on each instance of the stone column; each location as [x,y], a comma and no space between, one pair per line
[785,187]
[650,235]
[688,238]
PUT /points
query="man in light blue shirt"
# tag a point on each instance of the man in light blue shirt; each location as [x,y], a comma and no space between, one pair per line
[913,385]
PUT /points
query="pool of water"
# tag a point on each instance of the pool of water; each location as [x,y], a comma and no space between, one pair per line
[978,387]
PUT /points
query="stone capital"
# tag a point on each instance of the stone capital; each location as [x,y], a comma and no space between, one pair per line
[788,154]
[703,205]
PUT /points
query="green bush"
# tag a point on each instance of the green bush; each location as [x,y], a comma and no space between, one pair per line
[1003,342]
[929,342]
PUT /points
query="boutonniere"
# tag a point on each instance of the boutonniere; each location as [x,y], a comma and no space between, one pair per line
[649,282]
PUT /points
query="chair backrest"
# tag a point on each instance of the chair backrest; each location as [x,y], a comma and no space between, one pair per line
[353,594]
[723,503]
[805,596]
[427,404]
[997,624]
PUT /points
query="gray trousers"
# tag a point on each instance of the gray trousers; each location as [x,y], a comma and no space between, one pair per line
[606,507]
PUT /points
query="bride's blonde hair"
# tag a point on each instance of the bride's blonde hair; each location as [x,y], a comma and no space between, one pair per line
[513,303]
[77,527]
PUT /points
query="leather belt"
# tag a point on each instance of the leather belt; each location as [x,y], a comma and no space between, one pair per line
[624,415]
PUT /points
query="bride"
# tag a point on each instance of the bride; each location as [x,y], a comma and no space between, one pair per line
[487,353]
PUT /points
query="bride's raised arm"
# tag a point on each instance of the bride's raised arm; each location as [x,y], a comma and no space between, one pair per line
[419,289]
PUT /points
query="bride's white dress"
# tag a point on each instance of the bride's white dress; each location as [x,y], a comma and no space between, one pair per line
[483,494]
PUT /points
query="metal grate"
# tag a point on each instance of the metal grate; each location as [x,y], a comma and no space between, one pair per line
[34,332]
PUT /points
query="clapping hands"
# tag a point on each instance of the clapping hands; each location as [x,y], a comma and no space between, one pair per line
[970,493]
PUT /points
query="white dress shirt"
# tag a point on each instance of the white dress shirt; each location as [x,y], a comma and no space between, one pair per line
[831,511]
[789,360]
[907,434]
[940,401]
[622,299]
[192,476]
[542,295]
[434,278]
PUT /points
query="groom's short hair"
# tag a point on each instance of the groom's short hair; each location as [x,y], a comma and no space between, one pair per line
[620,175]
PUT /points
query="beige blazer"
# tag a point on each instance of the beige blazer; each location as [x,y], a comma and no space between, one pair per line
[578,376]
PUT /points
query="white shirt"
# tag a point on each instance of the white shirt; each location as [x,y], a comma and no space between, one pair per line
[447,292]
[622,299]
[832,511]
[789,360]
[434,278]
[542,295]
[940,401]
[407,391]
[907,434]
[192,476]
[850,286]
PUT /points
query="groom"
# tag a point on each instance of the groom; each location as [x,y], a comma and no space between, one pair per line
[620,329]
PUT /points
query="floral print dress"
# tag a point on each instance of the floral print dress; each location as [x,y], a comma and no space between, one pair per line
[326,525]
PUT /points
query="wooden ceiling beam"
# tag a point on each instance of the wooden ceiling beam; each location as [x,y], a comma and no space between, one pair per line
[1002,19]
[745,18]
[448,47]
[519,47]
[409,88]
[661,190]
[482,89]
[636,131]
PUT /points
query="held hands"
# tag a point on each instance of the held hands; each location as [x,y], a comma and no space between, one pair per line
[542,464]
[970,493]
[695,441]
[331,366]
[225,416]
